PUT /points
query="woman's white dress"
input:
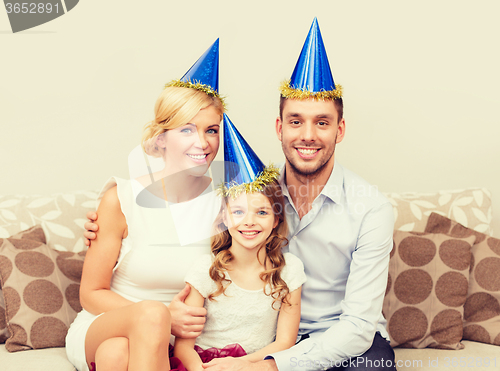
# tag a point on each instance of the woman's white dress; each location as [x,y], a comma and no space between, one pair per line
[163,242]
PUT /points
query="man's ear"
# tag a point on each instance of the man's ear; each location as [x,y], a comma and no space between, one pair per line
[340,131]
[279,127]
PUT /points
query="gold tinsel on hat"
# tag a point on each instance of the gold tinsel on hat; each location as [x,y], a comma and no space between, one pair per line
[207,89]
[288,92]
[233,190]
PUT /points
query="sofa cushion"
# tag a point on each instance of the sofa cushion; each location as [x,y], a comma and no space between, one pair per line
[50,359]
[474,357]
[61,216]
[482,307]
[34,233]
[426,289]
[41,292]
[470,207]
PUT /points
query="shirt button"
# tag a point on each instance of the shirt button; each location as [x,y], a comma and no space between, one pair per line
[295,237]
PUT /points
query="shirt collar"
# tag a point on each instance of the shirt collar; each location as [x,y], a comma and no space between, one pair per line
[333,188]
[281,181]
[335,185]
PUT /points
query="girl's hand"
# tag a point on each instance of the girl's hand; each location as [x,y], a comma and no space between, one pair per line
[187,321]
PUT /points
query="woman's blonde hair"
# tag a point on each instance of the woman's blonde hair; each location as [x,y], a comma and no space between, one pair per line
[221,242]
[174,108]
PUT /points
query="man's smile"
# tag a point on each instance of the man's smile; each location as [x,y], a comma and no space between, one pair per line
[307,153]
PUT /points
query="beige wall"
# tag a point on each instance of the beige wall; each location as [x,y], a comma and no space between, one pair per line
[421,79]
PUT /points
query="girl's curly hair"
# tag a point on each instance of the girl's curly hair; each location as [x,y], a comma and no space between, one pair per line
[221,242]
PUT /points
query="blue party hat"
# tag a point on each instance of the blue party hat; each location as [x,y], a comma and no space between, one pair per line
[312,77]
[244,172]
[204,74]
[206,69]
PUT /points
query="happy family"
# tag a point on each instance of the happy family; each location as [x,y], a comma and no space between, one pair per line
[287,268]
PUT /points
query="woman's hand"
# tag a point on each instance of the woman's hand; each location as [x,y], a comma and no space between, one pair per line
[187,321]
[90,228]
[189,306]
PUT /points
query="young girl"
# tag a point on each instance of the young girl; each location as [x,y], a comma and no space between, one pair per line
[251,290]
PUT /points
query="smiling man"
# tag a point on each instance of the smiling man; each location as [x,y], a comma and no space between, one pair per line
[340,227]
[309,131]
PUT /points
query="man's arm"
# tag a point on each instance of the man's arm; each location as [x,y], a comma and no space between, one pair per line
[352,335]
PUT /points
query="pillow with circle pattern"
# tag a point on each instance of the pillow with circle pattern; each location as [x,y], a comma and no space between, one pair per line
[426,290]
[34,233]
[41,291]
[482,307]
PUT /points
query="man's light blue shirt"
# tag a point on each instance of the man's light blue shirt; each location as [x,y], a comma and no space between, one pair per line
[344,242]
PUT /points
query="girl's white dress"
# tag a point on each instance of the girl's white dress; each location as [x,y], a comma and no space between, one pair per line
[163,242]
[245,317]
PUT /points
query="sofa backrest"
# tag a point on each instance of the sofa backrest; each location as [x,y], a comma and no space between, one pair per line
[61,216]
[470,207]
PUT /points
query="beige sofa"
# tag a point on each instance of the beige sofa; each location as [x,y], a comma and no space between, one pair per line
[62,217]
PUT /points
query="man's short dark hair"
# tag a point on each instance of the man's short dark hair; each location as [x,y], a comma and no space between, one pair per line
[338,103]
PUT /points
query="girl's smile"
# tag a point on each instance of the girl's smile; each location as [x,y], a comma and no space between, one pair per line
[249,234]
[250,220]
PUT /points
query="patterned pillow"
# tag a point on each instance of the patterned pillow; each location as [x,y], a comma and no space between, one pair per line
[482,307]
[34,233]
[61,216]
[41,291]
[426,290]
[470,207]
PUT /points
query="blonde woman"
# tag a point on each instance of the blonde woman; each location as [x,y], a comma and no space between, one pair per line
[132,286]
